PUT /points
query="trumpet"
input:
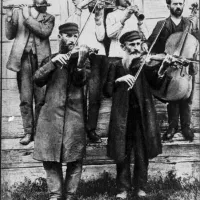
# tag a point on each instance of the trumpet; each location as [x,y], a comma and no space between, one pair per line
[11,6]
[140,16]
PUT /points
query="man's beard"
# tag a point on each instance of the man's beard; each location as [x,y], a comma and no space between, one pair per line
[65,48]
[177,13]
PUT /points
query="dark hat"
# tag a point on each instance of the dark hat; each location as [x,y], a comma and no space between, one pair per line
[68,27]
[129,36]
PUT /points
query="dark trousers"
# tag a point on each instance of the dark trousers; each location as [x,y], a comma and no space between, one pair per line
[29,91]
[57,187]
[135,144]
[180,108]
[96,81]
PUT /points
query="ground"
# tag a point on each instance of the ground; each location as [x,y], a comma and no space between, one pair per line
[169,188]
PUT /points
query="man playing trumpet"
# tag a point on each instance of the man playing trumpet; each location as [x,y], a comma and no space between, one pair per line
[120,21]
[31,28]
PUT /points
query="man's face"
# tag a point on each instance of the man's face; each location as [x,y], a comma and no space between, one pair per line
[39,2]
[124,3]
[133,47]
[176,7]
[67,41]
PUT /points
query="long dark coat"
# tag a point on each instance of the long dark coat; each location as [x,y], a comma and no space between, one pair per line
[60,135]
[119,113]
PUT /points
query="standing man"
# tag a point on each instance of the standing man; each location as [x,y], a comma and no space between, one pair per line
[133,123]
[60,136]
[93,35]
[175,23]
[120,21]
[31,29]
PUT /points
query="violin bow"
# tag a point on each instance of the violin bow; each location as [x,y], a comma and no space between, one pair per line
[148,53]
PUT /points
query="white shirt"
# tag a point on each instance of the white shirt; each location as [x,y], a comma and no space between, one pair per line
[115,29]
[90,32]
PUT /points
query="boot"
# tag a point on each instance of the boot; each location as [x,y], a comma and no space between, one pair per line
[188,134]
[26,139]
[71,197]
[93,137]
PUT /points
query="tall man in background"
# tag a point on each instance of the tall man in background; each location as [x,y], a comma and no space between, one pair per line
[93,35]
[31,29]
[176,23]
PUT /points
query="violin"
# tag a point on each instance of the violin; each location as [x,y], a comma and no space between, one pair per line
[81,53]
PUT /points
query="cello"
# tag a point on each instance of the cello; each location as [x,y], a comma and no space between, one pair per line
[176,80]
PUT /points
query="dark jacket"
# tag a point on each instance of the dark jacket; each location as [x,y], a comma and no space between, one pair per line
[19,29]
[119,112]
[167,30]
[60,130]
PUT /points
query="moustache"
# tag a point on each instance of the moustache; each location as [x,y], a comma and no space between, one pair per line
[135,52]
[178,9]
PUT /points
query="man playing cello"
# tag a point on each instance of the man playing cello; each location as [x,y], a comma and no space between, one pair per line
[173,24]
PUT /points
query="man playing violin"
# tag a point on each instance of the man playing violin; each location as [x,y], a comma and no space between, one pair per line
[30,28]
[122,20]
[133,126]
[176,23]
[60,135]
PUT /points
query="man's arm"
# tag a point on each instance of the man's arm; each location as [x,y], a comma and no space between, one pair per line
[42,29]
[11,24]
[113,27]
[42,75]
[99,23]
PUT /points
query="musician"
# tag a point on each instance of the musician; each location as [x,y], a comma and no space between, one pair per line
[175,23]
[93,35]
[60,136]
[133,123]
[30,29]
[122,20]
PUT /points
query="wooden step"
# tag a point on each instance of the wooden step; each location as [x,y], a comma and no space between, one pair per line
[179,155]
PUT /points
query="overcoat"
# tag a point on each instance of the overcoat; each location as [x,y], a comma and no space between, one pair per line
[60,134]
[19,29]
[119,112]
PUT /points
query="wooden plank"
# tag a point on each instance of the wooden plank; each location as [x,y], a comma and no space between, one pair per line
[13,144]
[16,155]
[91,172]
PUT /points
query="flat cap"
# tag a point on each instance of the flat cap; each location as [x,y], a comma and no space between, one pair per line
[68,27]
[129,36]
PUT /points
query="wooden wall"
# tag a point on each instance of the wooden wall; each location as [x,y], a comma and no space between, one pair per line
[16,160]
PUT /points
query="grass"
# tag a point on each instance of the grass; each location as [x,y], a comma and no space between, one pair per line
[169,188]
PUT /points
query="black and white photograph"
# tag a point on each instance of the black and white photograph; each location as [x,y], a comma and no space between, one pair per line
[100,100]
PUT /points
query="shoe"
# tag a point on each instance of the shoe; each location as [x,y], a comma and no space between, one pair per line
[188,134]
[122,195]
[169,134]
[141,193]
[93,137]
[26,139]
[70,197]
